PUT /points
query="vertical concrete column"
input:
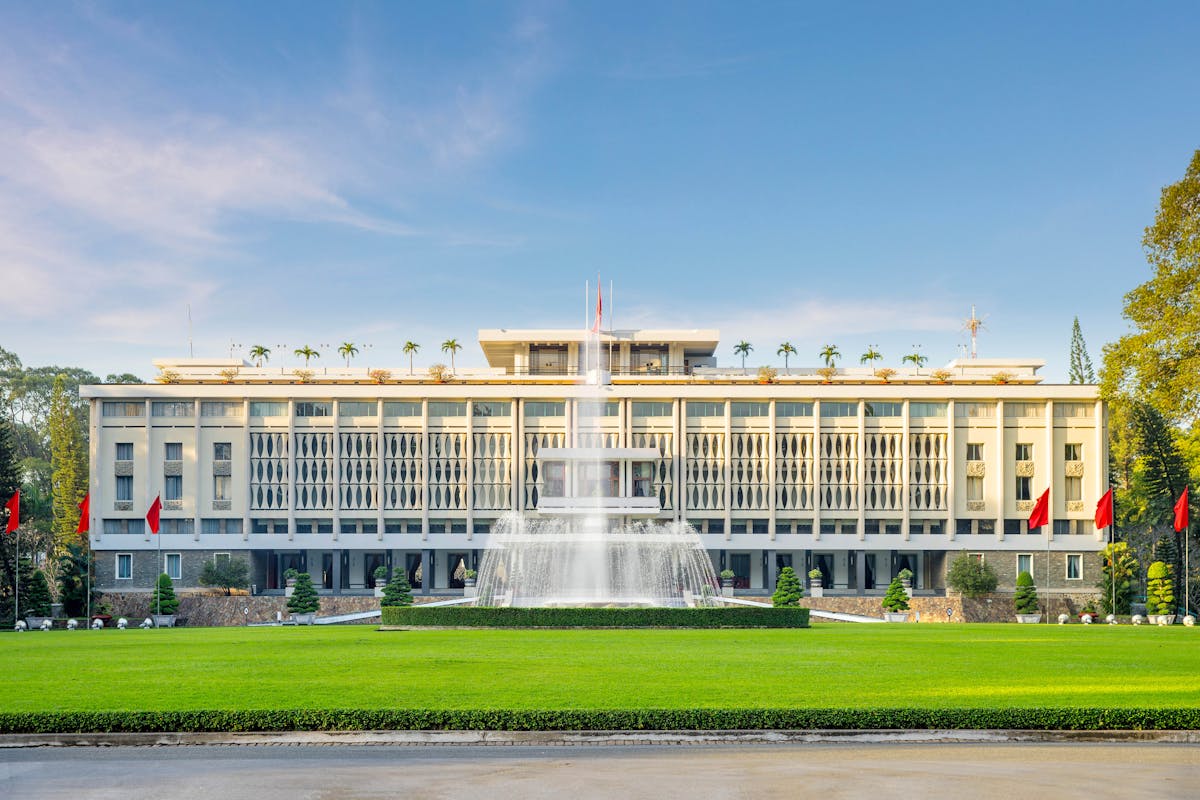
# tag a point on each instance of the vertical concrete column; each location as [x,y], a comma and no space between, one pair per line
[1050,460]
[1002,479]
[469,471]
[860,571]
[906,468]
[517,453]
[951,456]
[197,460]
[337,570]
[816,475]
[95,407]
[772,478]
[726,468]
[337,477]
[862,470]
[769,569]
[1099,459]
[427,567]
[147,462]
[291,473]
[679,442]
[425,469]
[380,500]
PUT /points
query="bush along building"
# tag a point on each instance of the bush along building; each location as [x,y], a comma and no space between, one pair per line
[335,471]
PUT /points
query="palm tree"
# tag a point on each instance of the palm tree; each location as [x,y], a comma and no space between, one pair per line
[871,356]
[306,353]
[451,346]
[743,348]
[831,354]
[348,351]
[785,350]
[410,348]
[916,359]
[260,354]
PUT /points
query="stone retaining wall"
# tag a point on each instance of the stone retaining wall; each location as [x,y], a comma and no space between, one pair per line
[209,610]
[997,607]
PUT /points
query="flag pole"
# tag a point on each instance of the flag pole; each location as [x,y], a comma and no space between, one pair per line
[17,581]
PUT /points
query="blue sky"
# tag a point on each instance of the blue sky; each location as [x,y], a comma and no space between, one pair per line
[846,173]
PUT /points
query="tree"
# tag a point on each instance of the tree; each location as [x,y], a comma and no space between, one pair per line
[304,599]
[871,356]
[451,346]
[830,353]
[10,481]
[227,574]
[68,460]
[74,568]
[163,599]
[397,592]
[743,349]
[35,597]
[971,576]
[1025,598]
[1158,360]
[1080,369]
[786,350]
[260,354]
[123,377]
[306,353]
[1164,550]
[1119,567]
[410,349]
[788,590]
[1160,589]
[916,359]
[896,599]
[348,351]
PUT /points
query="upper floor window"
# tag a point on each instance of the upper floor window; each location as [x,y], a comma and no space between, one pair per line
[357,408]
[173,451]
[878,409]
[974,451]
[652,408]
[544,408]
[744,409]
[124,451]
[447,408]
[1072,451]
[222,451]
[221,408]
[1024,409]
[974,410]
[113,408]
[834,409]
[402,408]
[491,408]
[590,409]
[1069,410]
[1024,452]
[314,408]
[918,410]
[268,408]
[789,409]
[172,408]
[705,409]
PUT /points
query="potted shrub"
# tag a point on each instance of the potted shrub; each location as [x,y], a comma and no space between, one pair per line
[767,374]
[440,373]
[163,602]
[827,374]
[885,374]
[1025,600]
[469,582]
[36,600]
[905,577]
[1160,594]
[788,590]
[815,587]
[380,574]
[304,602]
[727,576]
[895,602]
[289,579]
[380,375]
[971,576]
[397,592]
[940,375]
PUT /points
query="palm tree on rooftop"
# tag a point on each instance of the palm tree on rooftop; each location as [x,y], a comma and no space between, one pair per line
[830,353]
[786,350]
[871,356]
[743,349]
[260,354]
[451,346]
[348,351]
[915,358]
[410,348]
[306,353]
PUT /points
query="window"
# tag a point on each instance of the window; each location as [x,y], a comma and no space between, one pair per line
[222,451]
[112,408]
[804,527]
[210,526]
[314,408]
[491,408]
[963,527]
[124,566]
[705,409]
[447,409]
[221,559]
[1024,488]
[1017,410]
[544,408]
[1069,410]
[877,409]
[643,473]
[221,484]
[394,526]
[986,527]
[974,410]
[1024,452]
[124,488]
[591,409]
[357,408]
[742,409]
[651,409]
[828,527]
[758,526]
[1025,563]
[233,526]
[1074,566]
[220,408]
[125,451]
[1074,489]
[715,525]
[554,479]
[124,526]
[974,488]
[177,526]
[171,566]
[482,526]
[173,451]
[919,410]
[173,487]
[1072,451]
[1012,527]
[831,409]
[172,408]
[402,408]
[1064,527]
[268,408]
[737,526]
[788,409]
[974,452]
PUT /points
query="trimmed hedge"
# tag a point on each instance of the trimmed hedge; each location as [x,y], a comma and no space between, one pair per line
[473,617]
[602,719]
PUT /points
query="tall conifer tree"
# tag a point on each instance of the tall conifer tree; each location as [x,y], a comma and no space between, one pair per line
[1081,370]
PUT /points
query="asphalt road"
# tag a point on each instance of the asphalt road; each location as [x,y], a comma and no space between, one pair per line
[825,771]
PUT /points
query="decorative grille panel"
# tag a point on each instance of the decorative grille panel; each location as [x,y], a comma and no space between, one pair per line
[705,473]
[884,468]
[447,471]
[660,480]
[314,471]
[402,471]
[357,478]
[492,462]
[268,471]
[927,477]
[748,465]
[793,471]
[839,471]
[534,480]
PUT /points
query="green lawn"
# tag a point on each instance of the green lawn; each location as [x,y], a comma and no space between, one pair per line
[827,666]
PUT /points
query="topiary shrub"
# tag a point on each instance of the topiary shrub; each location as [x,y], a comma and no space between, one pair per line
[163,599]
[1025,598]
[304,599]
[896,599]
[35,600]
[971,576]
[1160,589]
[788,590]
[397,592]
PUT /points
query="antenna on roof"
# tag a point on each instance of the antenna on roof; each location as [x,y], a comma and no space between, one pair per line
[191,349]
[973,325]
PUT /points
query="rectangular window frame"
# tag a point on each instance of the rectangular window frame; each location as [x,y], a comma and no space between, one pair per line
[128,560]
[974,451]
[1027,556]
[1077,560]
[178,573]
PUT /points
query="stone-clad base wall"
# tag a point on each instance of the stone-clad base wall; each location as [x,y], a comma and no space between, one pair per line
[209,610]
[933,609]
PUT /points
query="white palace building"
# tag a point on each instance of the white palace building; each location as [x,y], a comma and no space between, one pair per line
[337,471]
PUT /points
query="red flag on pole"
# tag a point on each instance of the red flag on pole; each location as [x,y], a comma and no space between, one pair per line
[152,514]
[1104,510]
[1041,511]
[14,512]
[1181,510]
[84,522]
[599,307]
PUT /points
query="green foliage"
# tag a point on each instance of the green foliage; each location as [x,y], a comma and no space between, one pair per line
[788,590]
[1025,598]
[485,617]
[1160,589]
[896,599]
[829,353]
[73,568]
[10,481]
[397,593]
[1164,550]
[971,576]
[35,596]
[304,599]
[1119,568]
[727,574]
[1080,369]
[68,460]
[163,599]
[291,574]
[227,574]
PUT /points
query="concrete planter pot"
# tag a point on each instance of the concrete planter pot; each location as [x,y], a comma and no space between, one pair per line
[895,616]
[1029,619]
[163,620]
[379,590]
[726,588]
[815,589]
[907,588]
[35,623]
[304,619]
[1166,619]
